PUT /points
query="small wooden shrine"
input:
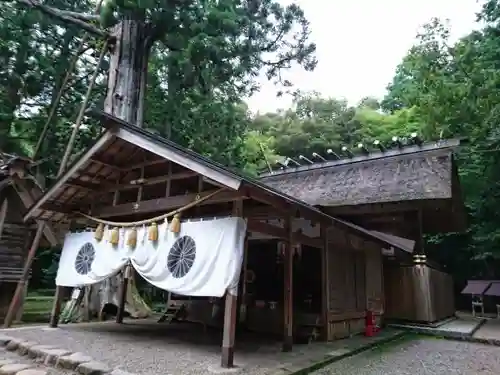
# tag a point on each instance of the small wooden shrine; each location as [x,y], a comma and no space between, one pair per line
[303,269]
[405,191]
[18,190]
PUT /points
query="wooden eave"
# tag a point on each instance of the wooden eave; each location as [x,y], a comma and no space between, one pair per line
[130,173]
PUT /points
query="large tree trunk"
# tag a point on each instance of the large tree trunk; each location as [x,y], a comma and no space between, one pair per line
[128,70]
[125,100]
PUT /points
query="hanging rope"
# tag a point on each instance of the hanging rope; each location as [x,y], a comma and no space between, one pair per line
[153,219]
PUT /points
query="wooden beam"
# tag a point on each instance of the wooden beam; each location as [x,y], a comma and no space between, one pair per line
[188,162]
[14,304]
[3,214]
[325,283]
[230,312]
[387,207]
[123,294]
[281,233]
[24,194]
[105,139]
[102,188]
[286,207]
[104,164]
[164,204]
[288,288]
[56,307]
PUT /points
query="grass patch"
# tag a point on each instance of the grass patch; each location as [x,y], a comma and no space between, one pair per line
[37,308]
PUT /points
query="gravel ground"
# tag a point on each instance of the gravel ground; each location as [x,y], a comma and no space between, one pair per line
[150,350]
[5,354]
[422,356]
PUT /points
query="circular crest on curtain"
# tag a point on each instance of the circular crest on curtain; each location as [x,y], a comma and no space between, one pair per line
[181,256]
[84,259]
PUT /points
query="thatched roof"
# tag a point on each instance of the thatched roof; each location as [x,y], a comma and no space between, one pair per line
[19,184]
[410,173]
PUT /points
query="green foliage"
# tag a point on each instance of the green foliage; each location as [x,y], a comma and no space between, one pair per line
[317,124]
[205,58]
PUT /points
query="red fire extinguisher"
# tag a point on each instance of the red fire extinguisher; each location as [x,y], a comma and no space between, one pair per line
[370,324]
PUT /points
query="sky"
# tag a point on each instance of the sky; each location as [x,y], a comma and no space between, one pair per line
[360,43]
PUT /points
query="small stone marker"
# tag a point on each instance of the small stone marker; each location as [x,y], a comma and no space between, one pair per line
[72,361]
[14,368]
[93,368]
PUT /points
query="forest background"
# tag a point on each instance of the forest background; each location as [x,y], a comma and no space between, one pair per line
[209,60]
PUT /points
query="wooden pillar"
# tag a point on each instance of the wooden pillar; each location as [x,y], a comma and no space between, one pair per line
[16,299]
[243,298]
[3,214]
[325,284]
[419,245]
[56,307]
[230,312]
[288,288]
[123,294]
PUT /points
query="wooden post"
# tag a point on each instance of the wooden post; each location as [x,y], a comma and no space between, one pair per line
[14,304]
[230,312]
[87,293]
[419,246]
[288,288]
[56,307]
[3,214]
[243,297]
[325,284]
[123,294]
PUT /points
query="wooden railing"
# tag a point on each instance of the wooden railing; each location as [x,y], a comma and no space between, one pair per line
[11,274]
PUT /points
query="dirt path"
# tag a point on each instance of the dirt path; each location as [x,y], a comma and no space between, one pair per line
[419,357]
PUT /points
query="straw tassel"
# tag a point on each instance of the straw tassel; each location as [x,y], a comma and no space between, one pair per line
[99,232]
[175,225]
[132,237]
[153,232]
[115,236]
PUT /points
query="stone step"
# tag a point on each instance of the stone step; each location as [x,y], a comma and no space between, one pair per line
[19,357]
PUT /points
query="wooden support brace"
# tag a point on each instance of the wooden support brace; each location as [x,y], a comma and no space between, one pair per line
[56,307]
[325,284]
[3,214]
[123,295]
[288,289]
[230,312]
[14,304]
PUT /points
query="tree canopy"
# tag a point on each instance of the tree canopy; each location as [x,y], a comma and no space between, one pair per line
[204,59]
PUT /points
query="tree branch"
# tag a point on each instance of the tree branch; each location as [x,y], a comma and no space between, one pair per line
[65,16]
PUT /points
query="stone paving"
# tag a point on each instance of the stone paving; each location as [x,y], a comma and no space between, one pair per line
[11,363]
[21,357]
[462,328]
[422,356]
[183,349]
[489,332]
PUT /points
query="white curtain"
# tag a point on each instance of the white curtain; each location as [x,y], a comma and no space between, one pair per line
[204,259]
